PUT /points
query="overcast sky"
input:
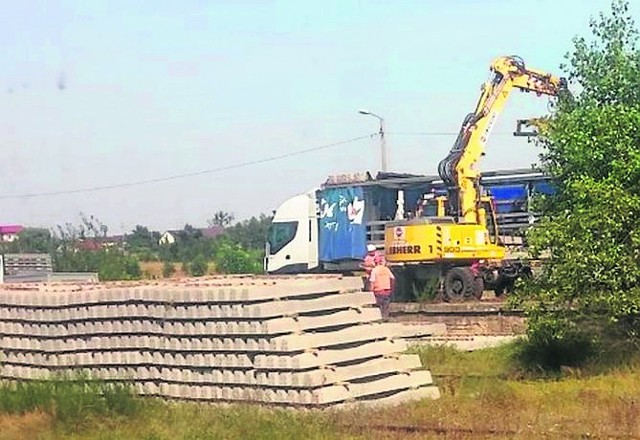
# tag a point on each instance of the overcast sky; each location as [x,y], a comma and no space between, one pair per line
[99,93]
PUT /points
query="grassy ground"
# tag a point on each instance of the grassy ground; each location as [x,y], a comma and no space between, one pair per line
[483,396]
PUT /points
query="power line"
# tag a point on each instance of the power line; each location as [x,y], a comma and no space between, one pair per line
[185,175]
[222,168]
[437,133]
[423,133]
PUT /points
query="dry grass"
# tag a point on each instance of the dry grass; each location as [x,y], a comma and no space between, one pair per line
[603,407]
[24,426]
[483,396]
[153,270]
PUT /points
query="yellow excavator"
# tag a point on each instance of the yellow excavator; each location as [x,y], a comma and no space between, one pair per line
[454,239]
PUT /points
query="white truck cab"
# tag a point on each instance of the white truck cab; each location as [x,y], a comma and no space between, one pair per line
[292,244]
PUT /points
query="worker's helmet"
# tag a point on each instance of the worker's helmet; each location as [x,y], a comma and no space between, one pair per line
[371,248]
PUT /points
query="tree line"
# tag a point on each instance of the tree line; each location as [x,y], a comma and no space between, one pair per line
[87,247]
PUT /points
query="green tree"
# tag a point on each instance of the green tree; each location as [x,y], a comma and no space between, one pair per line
[189,244]
[199,266]
[70,256]
[144,243]
[113,266]
[233,259]
[590,230]
[241,248]
[169,252]
[251,233]
[221,218]
[32,240]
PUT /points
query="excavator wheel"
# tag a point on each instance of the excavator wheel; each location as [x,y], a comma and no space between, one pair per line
[459,284]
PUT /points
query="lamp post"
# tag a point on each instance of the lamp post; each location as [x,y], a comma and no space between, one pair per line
[383,144]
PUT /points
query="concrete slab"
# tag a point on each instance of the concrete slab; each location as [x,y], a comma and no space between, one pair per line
[204,342]
[305,323]
[356,333]
[428,392]
[295,307]
[327,357]
[327,376]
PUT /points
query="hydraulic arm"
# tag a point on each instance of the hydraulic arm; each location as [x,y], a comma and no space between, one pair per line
[457,170]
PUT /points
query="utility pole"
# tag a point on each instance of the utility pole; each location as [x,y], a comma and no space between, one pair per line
[383,141]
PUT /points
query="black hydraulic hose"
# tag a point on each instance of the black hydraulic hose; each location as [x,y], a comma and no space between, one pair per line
[447,166]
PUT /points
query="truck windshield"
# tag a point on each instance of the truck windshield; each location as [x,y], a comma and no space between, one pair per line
[281,233]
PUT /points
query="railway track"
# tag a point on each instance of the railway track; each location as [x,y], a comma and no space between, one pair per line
[462,320]
[418,431]
[478,308]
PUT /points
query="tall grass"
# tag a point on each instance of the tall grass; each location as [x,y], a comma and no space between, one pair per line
[485,393]
[71,401]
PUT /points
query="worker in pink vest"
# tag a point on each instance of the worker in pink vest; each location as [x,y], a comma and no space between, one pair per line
[368,264]
[382,283]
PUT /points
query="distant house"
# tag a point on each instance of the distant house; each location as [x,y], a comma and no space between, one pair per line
[113,241]
[171,236]
[98,243]
[88,244]
[10,233]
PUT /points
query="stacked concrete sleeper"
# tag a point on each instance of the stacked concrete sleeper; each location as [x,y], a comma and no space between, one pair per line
[305,343]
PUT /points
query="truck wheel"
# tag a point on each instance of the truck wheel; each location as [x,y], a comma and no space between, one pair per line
[458,284]
[478,288]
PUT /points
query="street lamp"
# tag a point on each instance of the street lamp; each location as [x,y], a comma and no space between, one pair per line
[383,145]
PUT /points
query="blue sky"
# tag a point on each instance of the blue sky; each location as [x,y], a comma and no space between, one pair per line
[156,89]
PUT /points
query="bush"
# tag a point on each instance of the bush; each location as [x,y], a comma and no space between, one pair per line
[168,269]
[554,342]
[110,264]
[199,266]
[114,266]
[234,259]
[589,230]
[145,254]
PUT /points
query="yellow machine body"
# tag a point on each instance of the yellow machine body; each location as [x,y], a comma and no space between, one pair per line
[437,240]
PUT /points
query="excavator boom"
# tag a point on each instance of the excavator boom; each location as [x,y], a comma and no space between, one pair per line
[457,170]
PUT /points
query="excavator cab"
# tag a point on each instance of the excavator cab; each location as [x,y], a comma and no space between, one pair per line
[488,217]
[432,206]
